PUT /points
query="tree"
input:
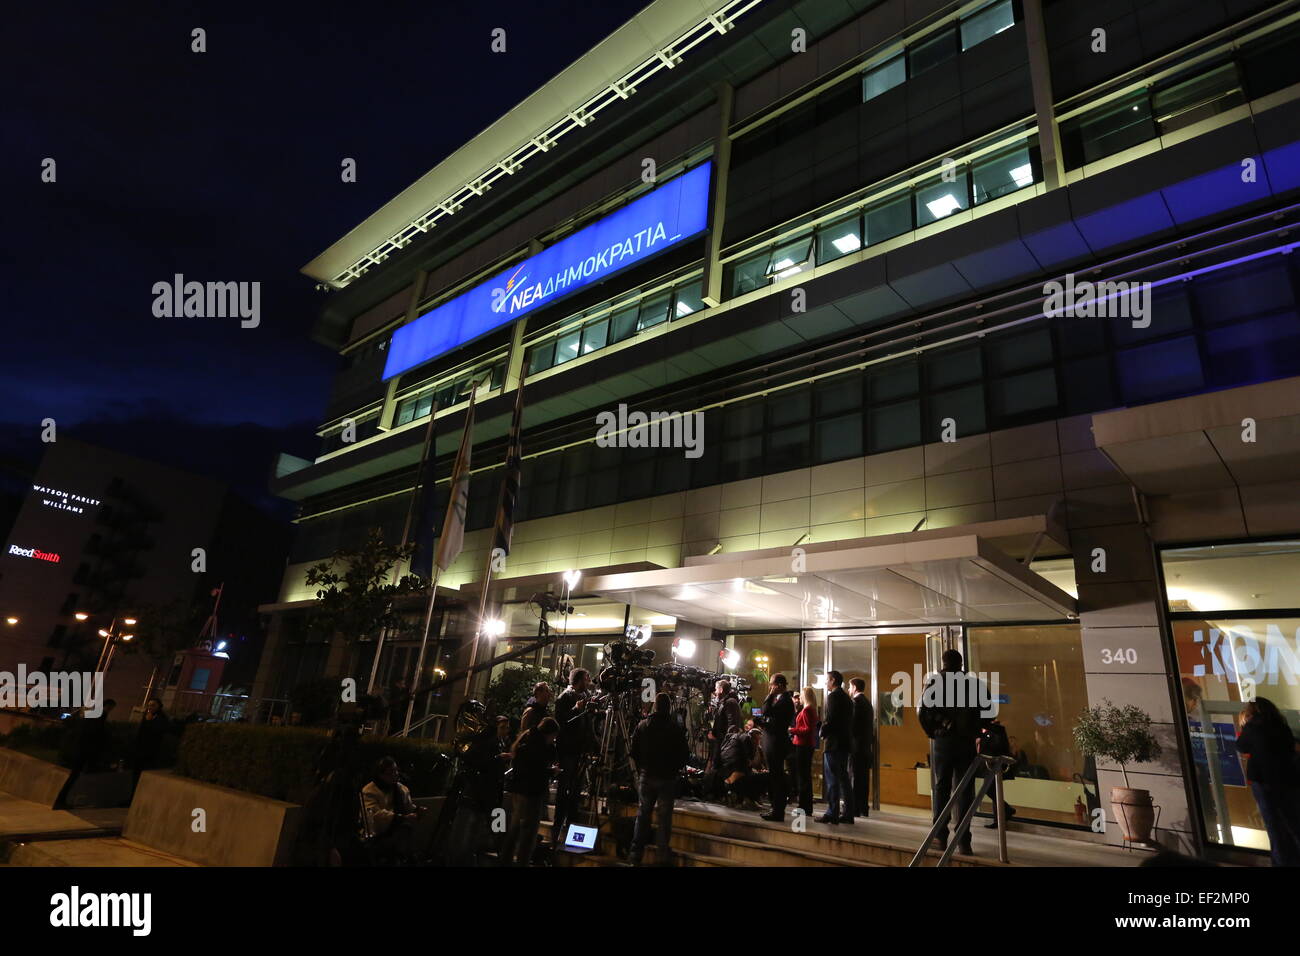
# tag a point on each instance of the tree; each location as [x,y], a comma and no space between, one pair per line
[1122,734]
[356,593]
[509,692]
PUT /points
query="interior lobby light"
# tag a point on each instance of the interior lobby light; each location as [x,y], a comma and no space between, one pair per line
[11,621]
[1023,175]
[942,206]
[847,243]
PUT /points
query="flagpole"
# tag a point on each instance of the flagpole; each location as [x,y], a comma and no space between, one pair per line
[424,642]
[406,536]
[459,477]
[513,446]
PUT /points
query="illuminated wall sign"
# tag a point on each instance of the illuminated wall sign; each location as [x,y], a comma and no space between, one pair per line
[658,220]
[62,500]
[49,556]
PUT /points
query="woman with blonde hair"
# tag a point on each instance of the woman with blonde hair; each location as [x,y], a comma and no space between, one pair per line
[805,744]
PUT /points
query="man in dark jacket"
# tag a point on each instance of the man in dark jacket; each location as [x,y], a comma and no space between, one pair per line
[726,712]
[837,732]
[537,708]
[576,740]
[777,716]
[864,739]
[659,751]
[950,716]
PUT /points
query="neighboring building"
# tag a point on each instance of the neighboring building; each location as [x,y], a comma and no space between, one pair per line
[864,208]
[110,537]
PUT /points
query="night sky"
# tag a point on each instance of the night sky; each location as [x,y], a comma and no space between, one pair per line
[223,166]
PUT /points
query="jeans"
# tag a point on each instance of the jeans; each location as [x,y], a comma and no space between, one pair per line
[521,837]
[835,777]
[952,758]
[803,758]
[860,770]
[1280,808]
[657,792]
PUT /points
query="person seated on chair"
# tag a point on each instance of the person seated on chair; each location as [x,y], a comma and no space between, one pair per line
[390,813]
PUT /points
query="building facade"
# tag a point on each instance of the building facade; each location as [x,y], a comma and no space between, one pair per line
[104,539]
[975,326]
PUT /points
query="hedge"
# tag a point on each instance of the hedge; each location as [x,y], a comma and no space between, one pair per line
[57,743]
[280,762]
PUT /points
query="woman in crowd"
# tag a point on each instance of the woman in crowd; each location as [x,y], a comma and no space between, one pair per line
[805,744]
[528,782]
[1266,739]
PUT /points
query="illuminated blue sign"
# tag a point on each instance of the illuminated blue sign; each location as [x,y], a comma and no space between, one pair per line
[658,220]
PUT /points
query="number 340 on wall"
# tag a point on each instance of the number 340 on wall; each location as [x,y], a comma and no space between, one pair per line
[1122,655]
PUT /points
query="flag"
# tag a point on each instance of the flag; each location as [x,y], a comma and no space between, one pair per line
[423,507]
[505,525]
[452,538]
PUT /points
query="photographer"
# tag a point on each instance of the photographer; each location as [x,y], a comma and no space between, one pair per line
[726,712]
[737,759]
[576,740]
[777,716]
[659,751]
[527,782]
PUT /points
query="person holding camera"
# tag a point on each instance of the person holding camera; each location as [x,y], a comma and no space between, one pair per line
[726,712]
[576,740]
[659,751]
[775,721]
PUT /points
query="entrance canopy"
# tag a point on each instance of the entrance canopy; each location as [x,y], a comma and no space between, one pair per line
[923,579]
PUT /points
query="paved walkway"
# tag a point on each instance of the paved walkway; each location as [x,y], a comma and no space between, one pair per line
[35,835]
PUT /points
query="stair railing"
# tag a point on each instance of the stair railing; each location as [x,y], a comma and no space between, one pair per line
[994,767]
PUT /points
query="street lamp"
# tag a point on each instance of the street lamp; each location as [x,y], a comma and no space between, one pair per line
[11,621]
[81,615]
[112,637]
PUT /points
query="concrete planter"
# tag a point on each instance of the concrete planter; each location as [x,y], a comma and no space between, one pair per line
[29,778]
[241,829]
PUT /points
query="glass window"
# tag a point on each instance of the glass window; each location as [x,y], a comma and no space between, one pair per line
[952,367]
[930,53]
[654,310]
[567,345]
[894,426]
[1196,99]
[1017,394]
[939,198]
[887,219]
[839,437]
[839,239]
[750,274]
[1007,354]
[595,335]
[1108,129]
[840,394]
[688,299]
[790,258]
[1254,576]
[885,77]
[895,380]
[405,412]
[986,22]
[1001,173]
[541,357]
[622,324]
[1160,370]
[965,406]
[1041,690]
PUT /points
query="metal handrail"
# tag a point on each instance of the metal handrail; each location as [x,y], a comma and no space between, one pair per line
[996,767]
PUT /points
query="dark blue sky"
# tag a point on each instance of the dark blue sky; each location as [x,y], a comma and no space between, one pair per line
[223,166]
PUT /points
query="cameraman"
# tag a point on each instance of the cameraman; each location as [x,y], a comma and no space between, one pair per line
[576,740]
[726,712]
[777,716]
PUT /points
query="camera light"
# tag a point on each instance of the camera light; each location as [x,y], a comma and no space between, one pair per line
[571,579]
[730,659]
[494,627]
[684,647]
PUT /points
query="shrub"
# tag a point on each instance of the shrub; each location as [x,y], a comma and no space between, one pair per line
[508,694]
[280,762]
[57,742]
[1121,734]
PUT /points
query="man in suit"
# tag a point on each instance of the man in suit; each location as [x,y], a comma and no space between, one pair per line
[777,716]
[864,739]
[837,732]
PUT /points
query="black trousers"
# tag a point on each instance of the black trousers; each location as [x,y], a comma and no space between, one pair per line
[778,788]
[952,758]
[860,771]
[803,761]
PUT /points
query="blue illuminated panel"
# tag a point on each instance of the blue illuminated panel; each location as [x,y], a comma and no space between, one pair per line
[657,221]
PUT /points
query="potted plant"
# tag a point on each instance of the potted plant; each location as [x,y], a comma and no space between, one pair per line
[1122,734]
